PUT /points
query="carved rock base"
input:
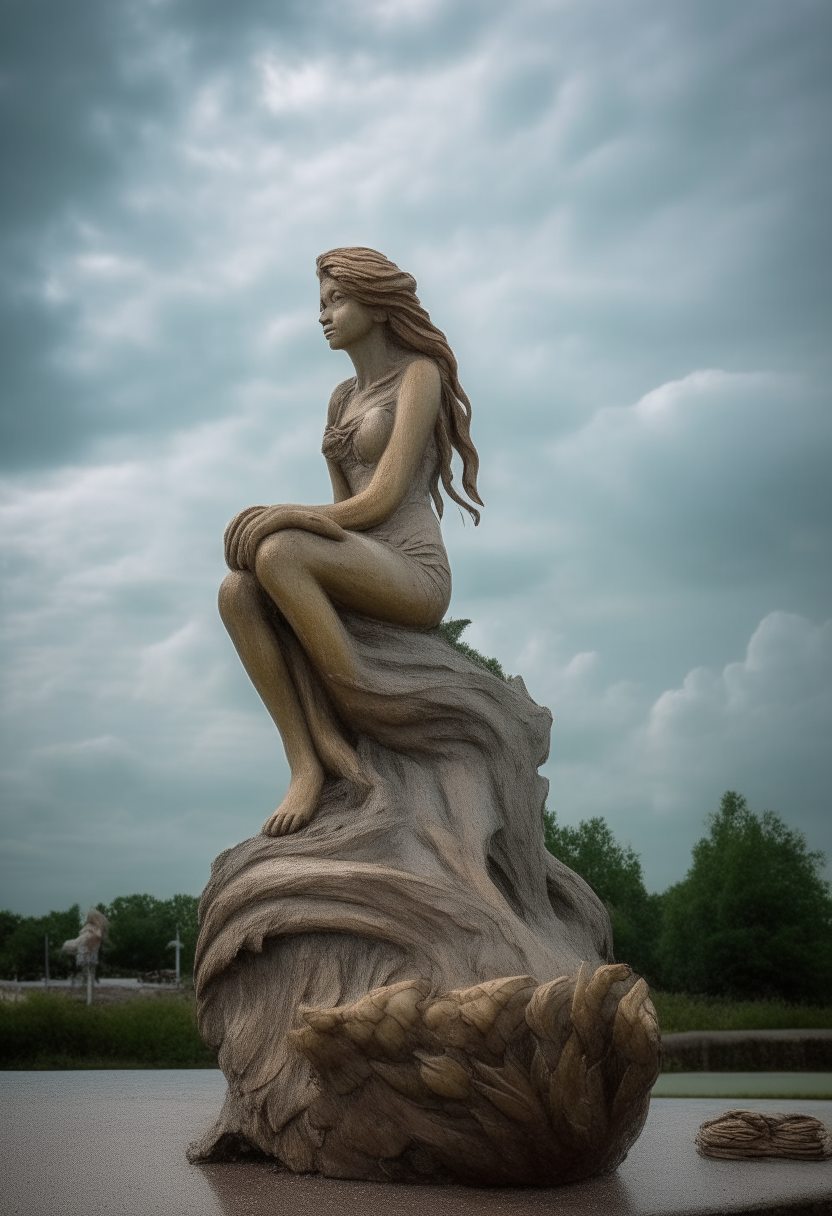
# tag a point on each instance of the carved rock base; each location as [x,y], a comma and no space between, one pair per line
[397,991]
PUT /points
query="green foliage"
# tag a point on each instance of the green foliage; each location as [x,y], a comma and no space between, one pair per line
[678,1012]
[51,1031]
[753,917]
[452,631]
[141,927]
[22,945]
[614,872]
[8,923]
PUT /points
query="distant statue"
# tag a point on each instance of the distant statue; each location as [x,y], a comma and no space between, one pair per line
[399,980]
[87,945]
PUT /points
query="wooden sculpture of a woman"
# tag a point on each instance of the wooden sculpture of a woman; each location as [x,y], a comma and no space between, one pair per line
[378,549]
[399,980]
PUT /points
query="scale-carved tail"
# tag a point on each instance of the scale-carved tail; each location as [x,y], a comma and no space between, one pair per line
[503,1083]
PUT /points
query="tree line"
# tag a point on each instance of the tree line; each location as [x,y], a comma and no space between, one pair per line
[141,927]
[752,918]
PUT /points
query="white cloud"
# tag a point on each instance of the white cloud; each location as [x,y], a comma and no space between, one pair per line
[765,711]
[761,725]
[301,88]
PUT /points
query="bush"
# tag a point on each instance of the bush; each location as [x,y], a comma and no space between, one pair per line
[141,927]
[47,1030]
[22,943]
[452,632]
[678,1012]
[753,917]
[614,872]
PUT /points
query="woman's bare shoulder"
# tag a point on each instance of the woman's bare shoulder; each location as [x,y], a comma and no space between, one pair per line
[424,370]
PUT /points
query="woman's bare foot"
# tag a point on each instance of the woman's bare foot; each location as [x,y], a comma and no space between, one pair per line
[299,805]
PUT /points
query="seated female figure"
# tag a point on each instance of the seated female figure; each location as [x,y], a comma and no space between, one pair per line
[413,989]
[377,549]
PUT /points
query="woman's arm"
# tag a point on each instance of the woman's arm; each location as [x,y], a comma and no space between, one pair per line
[246,530]
[303,516]
[340,485]
[416,413]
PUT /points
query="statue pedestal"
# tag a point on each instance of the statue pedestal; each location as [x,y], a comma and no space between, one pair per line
[105,1142]
[411,988]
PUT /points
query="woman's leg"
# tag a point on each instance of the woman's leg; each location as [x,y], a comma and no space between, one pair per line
[303,574]
[306,574]
[245,617]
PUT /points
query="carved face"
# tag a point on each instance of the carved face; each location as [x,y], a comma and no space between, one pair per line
[345,321]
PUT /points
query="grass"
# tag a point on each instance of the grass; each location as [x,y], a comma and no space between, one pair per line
[679,1012]
[813,1086]
[51,1031]
[54,1031]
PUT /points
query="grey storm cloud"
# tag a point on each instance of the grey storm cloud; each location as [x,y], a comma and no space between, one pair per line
[619,215]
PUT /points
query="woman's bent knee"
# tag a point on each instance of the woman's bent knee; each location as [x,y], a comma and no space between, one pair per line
[279,553]
[237,594]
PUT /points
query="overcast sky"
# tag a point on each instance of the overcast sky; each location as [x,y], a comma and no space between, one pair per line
[619,214]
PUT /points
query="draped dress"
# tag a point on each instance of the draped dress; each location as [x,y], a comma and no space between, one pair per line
[356,445]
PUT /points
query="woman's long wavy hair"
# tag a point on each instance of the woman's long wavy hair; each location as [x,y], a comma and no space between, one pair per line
[376,282]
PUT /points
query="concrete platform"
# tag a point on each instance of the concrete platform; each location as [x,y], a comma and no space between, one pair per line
[113,1144]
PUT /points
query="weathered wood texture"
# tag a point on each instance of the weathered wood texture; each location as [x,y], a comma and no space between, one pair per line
[411,987]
